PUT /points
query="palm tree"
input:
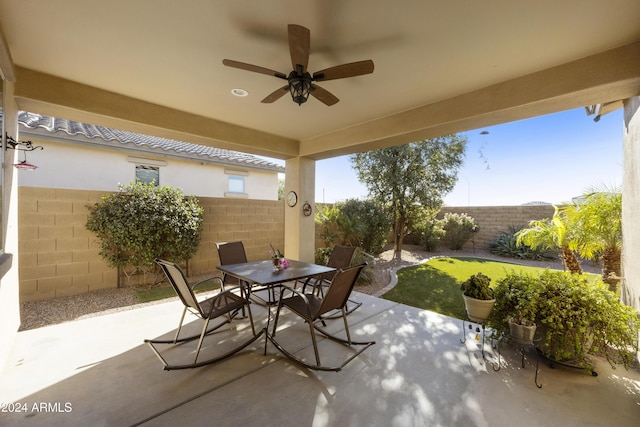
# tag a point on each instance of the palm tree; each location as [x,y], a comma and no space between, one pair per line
[551,234]
[597,230]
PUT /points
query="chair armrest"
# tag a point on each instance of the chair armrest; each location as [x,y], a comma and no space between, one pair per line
[301,294]
[220,285]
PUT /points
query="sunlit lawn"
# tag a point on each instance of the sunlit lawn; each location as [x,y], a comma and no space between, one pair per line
[435,285]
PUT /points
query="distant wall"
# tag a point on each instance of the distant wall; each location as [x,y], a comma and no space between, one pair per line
[59,256]
[494,220]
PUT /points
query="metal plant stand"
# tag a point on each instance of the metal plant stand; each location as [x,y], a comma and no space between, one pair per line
[480,327]
[522,345]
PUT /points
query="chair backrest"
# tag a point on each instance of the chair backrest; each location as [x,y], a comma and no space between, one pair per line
[337,295]
[340,258]
[231,253]
[179,283]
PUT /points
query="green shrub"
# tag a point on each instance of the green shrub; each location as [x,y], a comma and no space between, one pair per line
[579,315]
[322,256]
[427,229]
[142,222]
[507,245]
[361,223]
[375,223]
[459,228]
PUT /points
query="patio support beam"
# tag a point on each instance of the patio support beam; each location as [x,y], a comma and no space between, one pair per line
[601,78]
[299,229]
[53,96]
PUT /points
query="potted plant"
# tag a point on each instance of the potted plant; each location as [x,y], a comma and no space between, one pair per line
[521,329]
[576,315]
[478,297]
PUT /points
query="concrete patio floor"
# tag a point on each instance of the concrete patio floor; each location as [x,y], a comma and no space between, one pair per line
[98,372]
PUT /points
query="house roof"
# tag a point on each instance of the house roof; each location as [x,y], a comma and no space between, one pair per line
[87,134]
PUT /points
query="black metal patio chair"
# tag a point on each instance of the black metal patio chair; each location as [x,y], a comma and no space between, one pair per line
[225,304]
[312,307]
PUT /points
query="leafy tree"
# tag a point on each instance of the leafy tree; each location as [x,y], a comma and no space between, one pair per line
[407,177]
[551,234]
[142,222]
[596,230]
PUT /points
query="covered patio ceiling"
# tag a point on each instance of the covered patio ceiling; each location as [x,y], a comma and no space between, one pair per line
[156,67]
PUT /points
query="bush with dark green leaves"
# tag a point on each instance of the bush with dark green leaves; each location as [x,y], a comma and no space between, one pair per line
[374,220]
[142,222]
[427,229]
[507,245]
[579,315]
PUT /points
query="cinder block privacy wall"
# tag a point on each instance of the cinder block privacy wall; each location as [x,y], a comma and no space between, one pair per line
[60,257]
[494,220]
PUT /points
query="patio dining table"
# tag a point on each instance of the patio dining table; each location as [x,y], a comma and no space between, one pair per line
[263,273]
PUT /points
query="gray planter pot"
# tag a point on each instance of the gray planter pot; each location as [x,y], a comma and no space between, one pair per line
[522,334]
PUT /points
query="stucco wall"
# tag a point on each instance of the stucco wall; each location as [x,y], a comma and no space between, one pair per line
[59,257]
[73,166]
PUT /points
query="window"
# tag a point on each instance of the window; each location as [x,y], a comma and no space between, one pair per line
[148,174]
[236,184]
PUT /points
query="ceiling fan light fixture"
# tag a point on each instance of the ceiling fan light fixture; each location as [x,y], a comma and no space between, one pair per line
[300,87]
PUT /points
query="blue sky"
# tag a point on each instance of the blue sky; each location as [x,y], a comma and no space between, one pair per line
[549,158]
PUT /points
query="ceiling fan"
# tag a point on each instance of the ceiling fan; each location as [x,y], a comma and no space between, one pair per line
[300,83]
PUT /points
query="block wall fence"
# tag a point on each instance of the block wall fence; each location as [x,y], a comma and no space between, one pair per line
[59,257]
[494,220]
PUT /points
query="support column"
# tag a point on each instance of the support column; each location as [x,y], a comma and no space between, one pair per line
[299,229]
[630,291]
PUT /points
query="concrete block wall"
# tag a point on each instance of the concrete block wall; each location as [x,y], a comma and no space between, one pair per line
[494,220]
[257,223]
[60,257]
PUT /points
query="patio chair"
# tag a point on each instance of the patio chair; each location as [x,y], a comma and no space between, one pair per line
[224,304]
[341,257]
[234,253]
[312,307]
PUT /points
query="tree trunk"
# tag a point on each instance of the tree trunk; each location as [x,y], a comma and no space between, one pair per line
[570,261]
[611,267]
[398,234]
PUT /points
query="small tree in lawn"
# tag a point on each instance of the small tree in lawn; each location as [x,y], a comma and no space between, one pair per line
[551,233]
[596,230]
[143,222]
[409,177]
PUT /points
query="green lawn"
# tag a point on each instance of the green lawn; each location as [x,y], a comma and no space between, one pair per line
[435,285]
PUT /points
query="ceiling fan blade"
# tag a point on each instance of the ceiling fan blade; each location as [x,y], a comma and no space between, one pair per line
[345,70]
[275,95]
[299,45]
[254,68]
[323,95]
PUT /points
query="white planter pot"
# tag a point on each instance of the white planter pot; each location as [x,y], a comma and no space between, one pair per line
[478,309]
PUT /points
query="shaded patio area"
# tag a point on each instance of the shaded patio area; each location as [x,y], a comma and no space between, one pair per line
[98,371]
